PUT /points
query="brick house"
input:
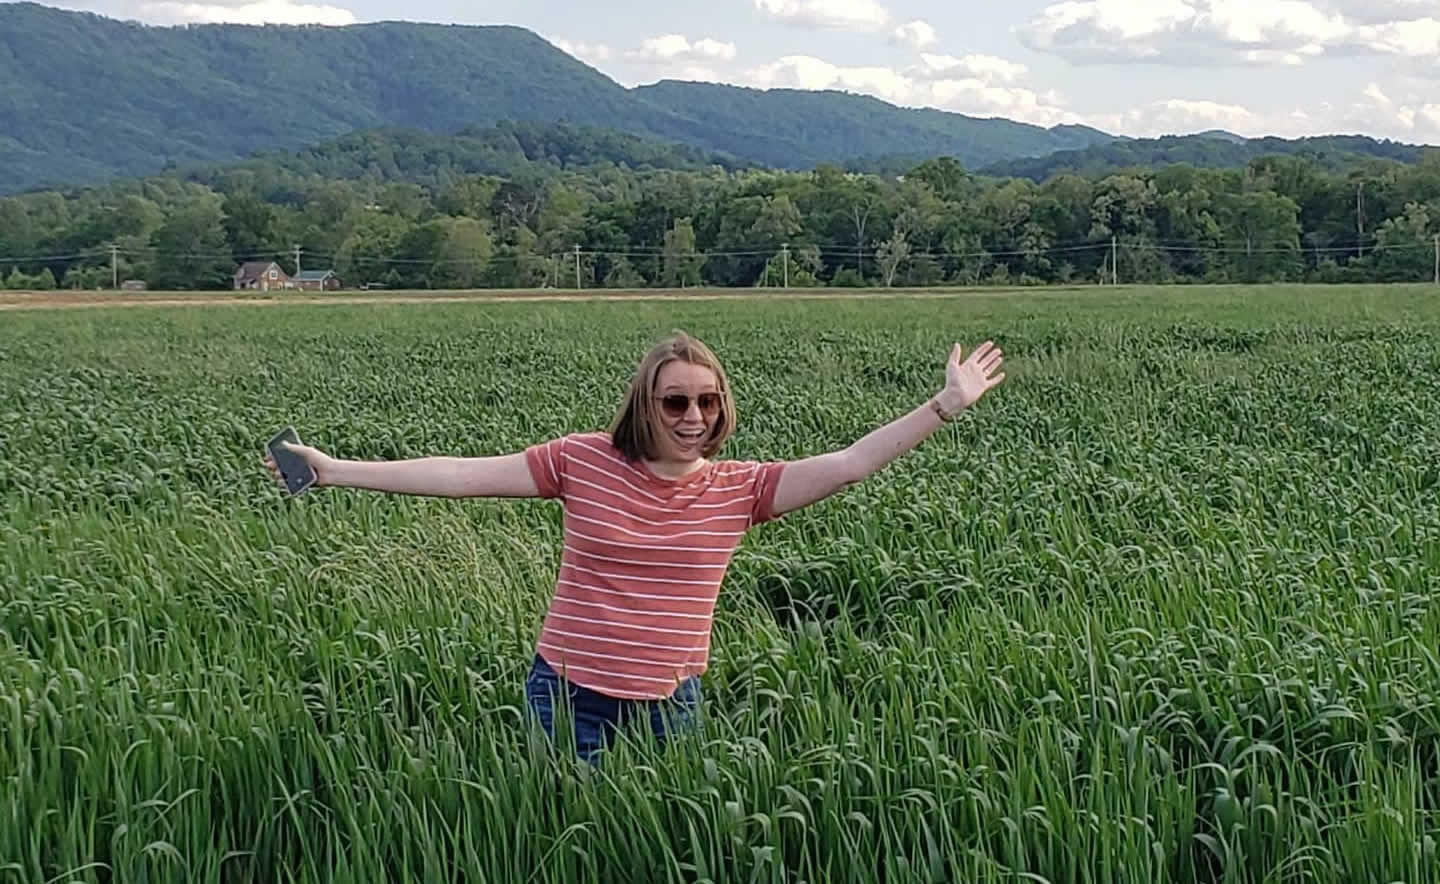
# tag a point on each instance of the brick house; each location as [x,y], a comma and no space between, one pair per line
[262,275]
[317,280]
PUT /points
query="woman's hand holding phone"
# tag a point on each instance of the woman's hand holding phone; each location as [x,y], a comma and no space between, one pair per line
[297,467]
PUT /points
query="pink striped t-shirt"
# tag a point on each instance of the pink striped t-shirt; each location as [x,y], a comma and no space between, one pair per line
[642,562]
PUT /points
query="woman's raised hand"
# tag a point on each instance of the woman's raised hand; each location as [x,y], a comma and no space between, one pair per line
[979,373]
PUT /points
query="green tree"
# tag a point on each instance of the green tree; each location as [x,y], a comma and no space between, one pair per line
[17,232]
[468,195]
[891,255]
[965,260]
[797,267]
[190,250]
[776,222]
[1267,226]
[681,257]
[371,243]
[945,176]
[623,275]
[462,259]
[249,224]
[1405,246]
[417,255]
[86,278]
[1123,207]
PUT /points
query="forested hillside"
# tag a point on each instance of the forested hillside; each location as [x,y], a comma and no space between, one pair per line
[508,207]
[1210,150]
[504,149]
[796,129]
[177,97]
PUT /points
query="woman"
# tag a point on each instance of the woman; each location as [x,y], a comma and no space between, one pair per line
[652,519]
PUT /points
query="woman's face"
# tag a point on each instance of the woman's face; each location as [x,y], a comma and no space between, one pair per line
[688,404]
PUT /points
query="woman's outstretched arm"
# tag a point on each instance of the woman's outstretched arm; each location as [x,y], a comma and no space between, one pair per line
[505,475]
[813,479]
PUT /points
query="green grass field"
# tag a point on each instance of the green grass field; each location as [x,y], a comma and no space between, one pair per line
[1165,607]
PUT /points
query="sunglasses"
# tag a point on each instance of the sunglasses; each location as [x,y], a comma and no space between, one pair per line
[678,404]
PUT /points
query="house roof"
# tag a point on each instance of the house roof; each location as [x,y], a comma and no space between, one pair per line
[253,269]
[314,275]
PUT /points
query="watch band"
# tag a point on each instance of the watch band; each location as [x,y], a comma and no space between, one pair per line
[936,407]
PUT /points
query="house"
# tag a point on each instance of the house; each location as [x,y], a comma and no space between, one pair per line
[263,275]
[133,285]
[317,280]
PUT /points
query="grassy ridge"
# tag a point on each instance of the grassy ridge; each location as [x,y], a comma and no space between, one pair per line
[1161,609]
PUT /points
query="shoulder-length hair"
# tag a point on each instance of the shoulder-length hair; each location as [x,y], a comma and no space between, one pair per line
[635,424]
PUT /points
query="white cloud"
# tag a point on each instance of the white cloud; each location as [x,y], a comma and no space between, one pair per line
[1174,116]
[864,15]
[916,34]
[715,49]
[1373,111]
[982,67]
[677,46]
[591,53]
[257,12]
[698,74]
[985,86]
[1375,12]
[970,86]
[1411,117]
[1254,32]
[807,72]
[1419,38]
[979,98]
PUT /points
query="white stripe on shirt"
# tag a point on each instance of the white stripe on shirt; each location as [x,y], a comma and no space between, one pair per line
[634,546]
[589,555]
[569,601]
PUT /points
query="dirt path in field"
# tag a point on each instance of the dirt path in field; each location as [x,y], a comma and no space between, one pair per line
[90,300]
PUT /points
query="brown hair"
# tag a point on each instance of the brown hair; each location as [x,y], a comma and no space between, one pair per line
[633,430]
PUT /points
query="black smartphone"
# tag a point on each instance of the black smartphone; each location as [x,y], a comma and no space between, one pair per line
[293,468]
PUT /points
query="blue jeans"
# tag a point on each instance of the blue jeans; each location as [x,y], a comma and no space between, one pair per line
[597,718]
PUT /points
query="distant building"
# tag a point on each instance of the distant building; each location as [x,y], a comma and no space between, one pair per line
[317,280]
[262,275]
[133,285]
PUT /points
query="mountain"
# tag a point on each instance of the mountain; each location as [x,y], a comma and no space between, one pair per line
[1223,136]
[794,128]
[84,98]
[1216,150]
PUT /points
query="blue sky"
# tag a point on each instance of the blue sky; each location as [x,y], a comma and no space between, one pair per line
[1136,67]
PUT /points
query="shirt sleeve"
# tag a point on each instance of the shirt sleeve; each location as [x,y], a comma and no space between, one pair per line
[546,461]
[767,480]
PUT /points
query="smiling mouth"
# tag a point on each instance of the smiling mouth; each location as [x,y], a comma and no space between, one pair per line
[689,437]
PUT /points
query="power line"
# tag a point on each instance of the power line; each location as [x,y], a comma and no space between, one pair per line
[1100,247]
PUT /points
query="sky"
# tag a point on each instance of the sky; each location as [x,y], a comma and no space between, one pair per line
[1130,67]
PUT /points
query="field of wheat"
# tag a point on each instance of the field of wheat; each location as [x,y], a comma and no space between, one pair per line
[1165,607]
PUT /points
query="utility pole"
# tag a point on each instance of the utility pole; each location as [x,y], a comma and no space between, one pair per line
[1114,261]
[114,266]
[1360,218]
[577,267]
[296,247]
[785,250]
[1437,259]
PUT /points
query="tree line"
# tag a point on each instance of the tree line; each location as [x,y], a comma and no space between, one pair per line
[609,224]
